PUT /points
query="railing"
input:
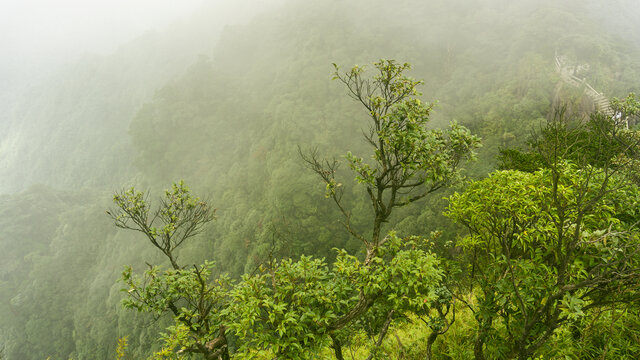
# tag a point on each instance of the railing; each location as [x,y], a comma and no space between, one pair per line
[601,102]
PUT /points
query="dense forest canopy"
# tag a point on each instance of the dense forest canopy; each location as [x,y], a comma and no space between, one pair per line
[230,108]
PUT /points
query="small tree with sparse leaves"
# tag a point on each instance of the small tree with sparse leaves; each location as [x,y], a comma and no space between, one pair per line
[187,293]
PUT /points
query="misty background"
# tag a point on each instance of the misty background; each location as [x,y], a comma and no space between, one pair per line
[38,36]
[99,96]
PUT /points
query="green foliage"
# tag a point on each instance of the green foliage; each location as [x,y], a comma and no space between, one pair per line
[629,106]
[601,141]
[187,294]
[288,310]
[229,124]
[545,247]
[409,162]
[122,348]
[573,227]
[158,291]
[407,155]
[293,308]
[180,216]
[513,159]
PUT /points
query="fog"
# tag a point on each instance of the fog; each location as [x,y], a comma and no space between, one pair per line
[37,36]
[36,27]
[223,96]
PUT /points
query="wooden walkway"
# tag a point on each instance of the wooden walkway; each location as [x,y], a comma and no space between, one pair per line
[567,75]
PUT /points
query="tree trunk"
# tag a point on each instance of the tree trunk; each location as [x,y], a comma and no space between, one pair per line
[477,349]
[430,340]
[484,327]
[337,347]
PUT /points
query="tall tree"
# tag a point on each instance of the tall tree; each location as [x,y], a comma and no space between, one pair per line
[408,162]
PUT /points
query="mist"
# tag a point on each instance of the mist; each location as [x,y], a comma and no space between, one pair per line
[40,27]
[38,36]
[203,147]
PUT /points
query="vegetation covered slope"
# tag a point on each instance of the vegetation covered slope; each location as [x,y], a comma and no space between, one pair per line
[69,123]
[230,125]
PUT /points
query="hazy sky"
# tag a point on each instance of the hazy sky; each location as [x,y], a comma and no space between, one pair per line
[29,27]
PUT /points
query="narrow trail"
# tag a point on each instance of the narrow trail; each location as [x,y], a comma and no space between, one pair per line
[567,75]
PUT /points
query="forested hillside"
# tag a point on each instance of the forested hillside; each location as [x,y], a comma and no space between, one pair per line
[230,110]
[70,123]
